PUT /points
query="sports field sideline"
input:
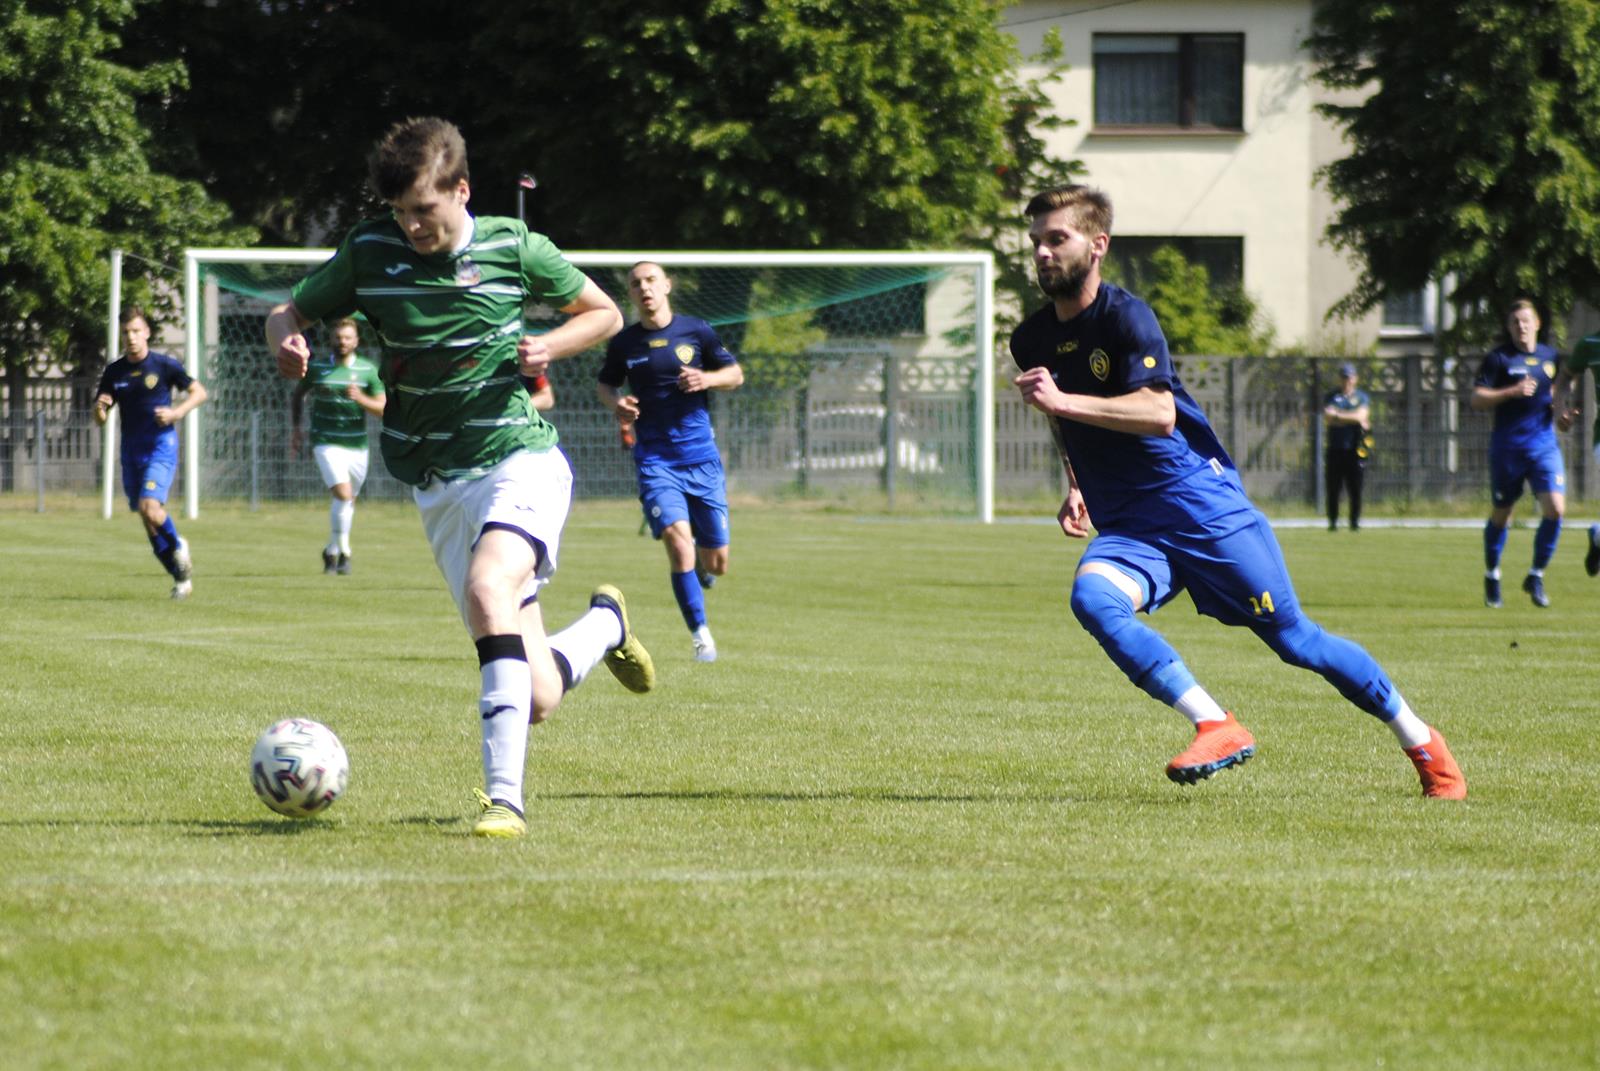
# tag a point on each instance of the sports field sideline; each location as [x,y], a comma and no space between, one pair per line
[913,818]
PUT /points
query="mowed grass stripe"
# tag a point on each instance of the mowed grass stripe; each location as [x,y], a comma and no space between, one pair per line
[912,818]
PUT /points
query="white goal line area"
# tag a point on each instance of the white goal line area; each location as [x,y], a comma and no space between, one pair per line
[865,372]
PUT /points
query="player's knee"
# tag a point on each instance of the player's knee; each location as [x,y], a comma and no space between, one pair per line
[1098,604]
[1299,644]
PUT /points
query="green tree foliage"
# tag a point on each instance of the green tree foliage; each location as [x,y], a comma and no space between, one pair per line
[1474,138]
[649,123]
[76,182]
[1197,318]
[818,123]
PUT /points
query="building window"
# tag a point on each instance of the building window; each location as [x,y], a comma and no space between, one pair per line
[1222,258]
[1410,312]
[1191,80]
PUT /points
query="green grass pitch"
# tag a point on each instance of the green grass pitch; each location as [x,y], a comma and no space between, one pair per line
[912,819]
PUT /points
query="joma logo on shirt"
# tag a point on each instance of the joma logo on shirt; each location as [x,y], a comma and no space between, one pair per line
[1068,346]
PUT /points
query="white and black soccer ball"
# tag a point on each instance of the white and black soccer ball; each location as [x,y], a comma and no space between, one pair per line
[298,767]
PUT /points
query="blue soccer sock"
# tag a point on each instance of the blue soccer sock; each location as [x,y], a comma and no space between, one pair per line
[1141,652]
[1544,542]
[691,598]
[1345,665]
[1494,543]
[164,541]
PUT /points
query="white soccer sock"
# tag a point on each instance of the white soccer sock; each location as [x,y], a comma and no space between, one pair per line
[504,705]
[1409,729]
[1198,706]
[585,642]
[340,515]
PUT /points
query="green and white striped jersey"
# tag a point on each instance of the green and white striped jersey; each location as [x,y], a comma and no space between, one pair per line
[336,418]
[449,324]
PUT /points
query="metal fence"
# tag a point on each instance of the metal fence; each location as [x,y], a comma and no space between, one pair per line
[837,436]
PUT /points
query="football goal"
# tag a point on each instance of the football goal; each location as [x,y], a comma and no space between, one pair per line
[868,377]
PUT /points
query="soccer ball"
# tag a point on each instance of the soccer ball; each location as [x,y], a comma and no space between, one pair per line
[298,767]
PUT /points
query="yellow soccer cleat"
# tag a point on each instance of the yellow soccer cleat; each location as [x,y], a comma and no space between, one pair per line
[628,661]
[497,819]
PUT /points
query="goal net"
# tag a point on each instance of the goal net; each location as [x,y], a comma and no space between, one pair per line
[867,377]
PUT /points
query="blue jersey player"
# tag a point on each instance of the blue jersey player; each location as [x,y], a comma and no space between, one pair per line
[141,383]
[668,363]
[1515,381]
[1168,507]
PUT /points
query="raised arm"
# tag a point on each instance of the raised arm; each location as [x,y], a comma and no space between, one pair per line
[285,341]
[1146,411]
[591,317]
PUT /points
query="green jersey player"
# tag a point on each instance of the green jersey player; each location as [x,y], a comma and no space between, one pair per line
[344,388]
[444,291]
[1585,357]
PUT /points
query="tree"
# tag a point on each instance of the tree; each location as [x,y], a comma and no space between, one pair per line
[1197,318]
[1474,150]
[75,182]
[649,123]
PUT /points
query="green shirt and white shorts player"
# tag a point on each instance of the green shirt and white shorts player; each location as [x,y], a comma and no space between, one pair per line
[1585,357]
[338,423]
[458,427]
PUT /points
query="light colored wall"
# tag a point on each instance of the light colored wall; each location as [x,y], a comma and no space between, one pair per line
[1258,185]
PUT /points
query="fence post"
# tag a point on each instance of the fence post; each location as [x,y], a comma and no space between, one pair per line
[38,455]
[1319,476]
[891,437]
[1413,426]
[1231,407]
[255,460]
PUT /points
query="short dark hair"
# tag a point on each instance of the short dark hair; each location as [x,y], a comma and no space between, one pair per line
[131,313]
[413,149]
[1090,208]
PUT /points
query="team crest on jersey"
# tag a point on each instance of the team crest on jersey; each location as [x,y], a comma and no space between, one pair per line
[1100,365]
[1550,370]
[468,273]
[684,353]
[1067,346]
[150,381]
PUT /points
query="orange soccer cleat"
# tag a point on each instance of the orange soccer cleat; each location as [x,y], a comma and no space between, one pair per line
[1217,745]
[1441,777]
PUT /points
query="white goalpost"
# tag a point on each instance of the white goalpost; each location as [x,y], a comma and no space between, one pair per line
[869,376]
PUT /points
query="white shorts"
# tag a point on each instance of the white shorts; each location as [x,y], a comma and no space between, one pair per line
[529,491]
[341,464]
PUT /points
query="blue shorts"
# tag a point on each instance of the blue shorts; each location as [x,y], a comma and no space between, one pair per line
[1540,467]
[693,493]
[149,469]
[1231,566]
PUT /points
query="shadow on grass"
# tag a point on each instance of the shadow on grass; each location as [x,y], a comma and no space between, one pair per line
[862,796]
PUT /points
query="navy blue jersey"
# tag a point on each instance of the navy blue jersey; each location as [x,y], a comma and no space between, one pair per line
[1521,423]
[673,426]
[1343,436]
[139,388]
[1133,483]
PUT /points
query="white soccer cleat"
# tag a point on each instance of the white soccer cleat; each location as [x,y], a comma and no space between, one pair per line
[705,648]
[182,589]
[183,563]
